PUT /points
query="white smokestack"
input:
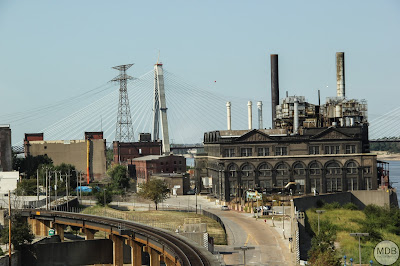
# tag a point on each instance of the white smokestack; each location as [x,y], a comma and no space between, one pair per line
[260,120]
[228,114]
[296,116]
[340,87]
[249,107]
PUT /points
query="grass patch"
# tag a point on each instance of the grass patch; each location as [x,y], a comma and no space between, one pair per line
[346,221]
[169,220]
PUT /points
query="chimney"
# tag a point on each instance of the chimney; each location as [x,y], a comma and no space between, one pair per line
[250,116]
[260,120]
[228,113]
[274,86]
[296,116]
[340,87]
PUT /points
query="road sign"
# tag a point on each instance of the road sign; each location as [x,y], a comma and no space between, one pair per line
[52,232]
[253,195]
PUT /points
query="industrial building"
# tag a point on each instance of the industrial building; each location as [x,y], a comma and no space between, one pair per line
[146,166]
[178,183]
[125,152]
[319,148]
[8,182]
[87,155]
[5,148]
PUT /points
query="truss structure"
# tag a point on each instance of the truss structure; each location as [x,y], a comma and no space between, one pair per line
[124,127]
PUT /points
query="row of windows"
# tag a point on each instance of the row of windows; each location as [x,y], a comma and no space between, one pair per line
[282,169]
[166,163]
[332,184]
[281,151]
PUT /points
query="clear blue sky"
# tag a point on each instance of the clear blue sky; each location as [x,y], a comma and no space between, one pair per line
[51,50]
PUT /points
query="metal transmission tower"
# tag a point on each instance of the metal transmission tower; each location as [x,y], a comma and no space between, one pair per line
[160,109]
[124,128]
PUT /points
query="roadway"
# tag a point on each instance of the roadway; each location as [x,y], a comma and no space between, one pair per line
[242,228]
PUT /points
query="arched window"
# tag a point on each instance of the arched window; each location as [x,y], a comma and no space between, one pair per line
[247,170]
[281,169]
[315,169]
[333,168]
[299,169]
[265,170]
[351,168]
[232,170]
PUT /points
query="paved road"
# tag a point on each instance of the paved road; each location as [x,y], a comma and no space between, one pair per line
[270,247]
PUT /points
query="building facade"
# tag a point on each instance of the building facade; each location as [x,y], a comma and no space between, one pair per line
[5,148]
[87,155]
[125,152]
[178,184]
[146,166]
[327,160]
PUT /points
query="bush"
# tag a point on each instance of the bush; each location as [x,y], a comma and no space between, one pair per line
[333,205]
[322,250]
[105,194]
[350,206]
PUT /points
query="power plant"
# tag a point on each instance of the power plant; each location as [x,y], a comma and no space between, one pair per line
[318,147]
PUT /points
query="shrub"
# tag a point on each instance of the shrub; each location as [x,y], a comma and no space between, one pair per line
[350,206]
[333,205]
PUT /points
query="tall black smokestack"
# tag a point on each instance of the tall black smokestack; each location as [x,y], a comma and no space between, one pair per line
[274,86]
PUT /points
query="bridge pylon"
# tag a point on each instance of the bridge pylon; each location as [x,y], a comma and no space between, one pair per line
[160,109]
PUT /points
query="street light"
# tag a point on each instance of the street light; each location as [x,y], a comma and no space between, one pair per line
[244,248]
[283,221]
[359,235]
[319,212]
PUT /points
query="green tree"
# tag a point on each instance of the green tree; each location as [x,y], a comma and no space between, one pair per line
[30,164]
[155,190]
[27,187]
[20,232]
[109,157]
[104,194]
[119,177]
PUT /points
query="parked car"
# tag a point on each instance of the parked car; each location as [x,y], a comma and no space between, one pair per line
[224,208]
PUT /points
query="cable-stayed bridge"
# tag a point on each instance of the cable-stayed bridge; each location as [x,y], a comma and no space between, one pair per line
[191,111]
[385,128]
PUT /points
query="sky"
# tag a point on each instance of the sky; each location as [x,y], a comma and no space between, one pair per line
[52,50]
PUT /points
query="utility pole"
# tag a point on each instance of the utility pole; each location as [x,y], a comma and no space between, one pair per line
[283,221]
[55,186]
[124,128]
[9,228]
[80,185]
[47,200]
[37,184]
[67,184]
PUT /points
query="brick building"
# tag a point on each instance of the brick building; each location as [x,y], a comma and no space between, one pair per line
[124,152]
[146,166]
[87,155]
